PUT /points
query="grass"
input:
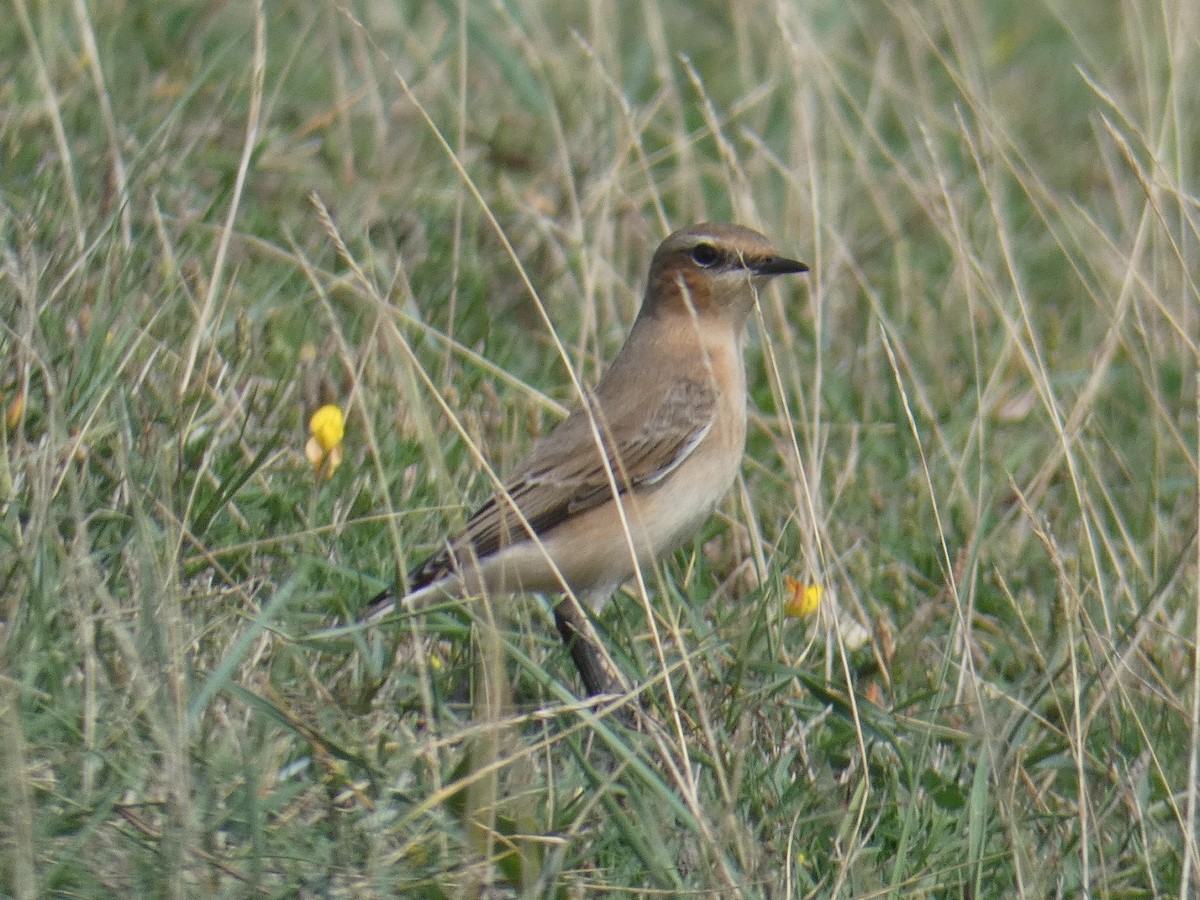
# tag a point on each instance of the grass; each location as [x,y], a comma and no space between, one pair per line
[975,427]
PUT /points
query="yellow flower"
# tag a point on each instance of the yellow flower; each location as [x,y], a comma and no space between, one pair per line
[12,415]
[324,448]
[802,599]
[327,426]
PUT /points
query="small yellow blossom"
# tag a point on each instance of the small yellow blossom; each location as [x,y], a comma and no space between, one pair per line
[328,426]
[802,599]
[12,415]
[324,448]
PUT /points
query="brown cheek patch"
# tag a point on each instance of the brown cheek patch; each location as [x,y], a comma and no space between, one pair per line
[691,288]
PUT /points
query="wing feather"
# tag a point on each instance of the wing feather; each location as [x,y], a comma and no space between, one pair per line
[565,475]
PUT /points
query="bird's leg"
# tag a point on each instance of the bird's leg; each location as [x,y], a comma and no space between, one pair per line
[590,660]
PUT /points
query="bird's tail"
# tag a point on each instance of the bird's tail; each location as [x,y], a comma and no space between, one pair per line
[422,577]
[382,604]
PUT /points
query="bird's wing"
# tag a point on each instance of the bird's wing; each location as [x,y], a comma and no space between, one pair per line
[566,476]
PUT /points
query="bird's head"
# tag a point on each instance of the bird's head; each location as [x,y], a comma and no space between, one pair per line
[713,271]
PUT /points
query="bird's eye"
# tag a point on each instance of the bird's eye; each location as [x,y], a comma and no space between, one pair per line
[705,255]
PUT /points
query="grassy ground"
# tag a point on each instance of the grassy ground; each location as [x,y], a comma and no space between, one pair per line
[975,425]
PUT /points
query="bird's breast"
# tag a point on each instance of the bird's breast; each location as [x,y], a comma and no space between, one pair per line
[594,547]
[671,511]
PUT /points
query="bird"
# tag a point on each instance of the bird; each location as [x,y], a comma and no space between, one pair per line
[639,465]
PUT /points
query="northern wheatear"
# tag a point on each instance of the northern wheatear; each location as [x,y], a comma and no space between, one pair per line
[634,470]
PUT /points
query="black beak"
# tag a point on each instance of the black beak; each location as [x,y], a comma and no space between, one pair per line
[776,265]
